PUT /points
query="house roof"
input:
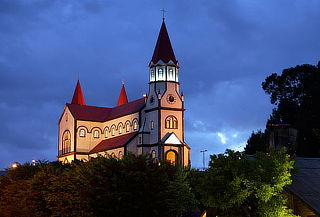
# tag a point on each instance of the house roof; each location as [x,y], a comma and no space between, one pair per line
[306,183]
[113,143]
[123,99]
[78,96]
[102,114]
[163,50]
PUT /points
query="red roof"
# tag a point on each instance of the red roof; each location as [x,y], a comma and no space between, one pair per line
[102,114]
[163,50]
[112,143]
[123,99]
[78,96]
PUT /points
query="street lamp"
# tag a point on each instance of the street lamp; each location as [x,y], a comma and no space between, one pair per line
[204,164]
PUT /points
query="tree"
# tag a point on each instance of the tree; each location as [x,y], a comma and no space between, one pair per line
[296,94]
[258,141]
[237,186]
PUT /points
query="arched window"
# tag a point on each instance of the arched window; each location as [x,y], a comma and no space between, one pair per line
[113,130]
[66,142]
[120,128]
[171,157]
[127,127]
[96,134]
[106,134]
[120,155]
[153,154]
[171,122]
[113,155]
[82,133]
[135,124]
[160,73]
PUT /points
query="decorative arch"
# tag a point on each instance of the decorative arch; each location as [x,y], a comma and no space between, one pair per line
[82,131]
[66,142]
[172,157]
[96,128]
[171,122]
[106,132]
[113,130]
[127,125]
[120,127]
[135,124]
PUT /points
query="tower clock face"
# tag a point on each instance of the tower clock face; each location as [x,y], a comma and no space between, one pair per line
[171,99]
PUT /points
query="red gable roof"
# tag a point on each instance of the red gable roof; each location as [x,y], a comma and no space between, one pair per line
[163,50]
[123,99]
[78,96]
[112,143]
[102,114]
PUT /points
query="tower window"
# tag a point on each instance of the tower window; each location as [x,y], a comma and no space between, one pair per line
[171,122]
[151,125]
[152,75]
[96,134]
[170,75]
[66,142]
[140,140]
[82,133]
[160,73]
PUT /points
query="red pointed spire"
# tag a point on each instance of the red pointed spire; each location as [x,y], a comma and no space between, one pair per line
[123,96]
[163,50]
[78,96]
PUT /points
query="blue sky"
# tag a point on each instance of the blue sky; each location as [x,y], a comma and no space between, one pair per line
[225,49]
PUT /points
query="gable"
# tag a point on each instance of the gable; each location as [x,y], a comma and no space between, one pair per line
[172,139]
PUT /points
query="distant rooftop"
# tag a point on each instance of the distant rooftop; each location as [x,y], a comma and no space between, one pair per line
[306,183]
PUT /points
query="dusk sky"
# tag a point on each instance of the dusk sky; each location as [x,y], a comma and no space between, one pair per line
[225,48]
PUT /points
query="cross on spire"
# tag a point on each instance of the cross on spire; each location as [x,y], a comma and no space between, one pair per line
[163,11]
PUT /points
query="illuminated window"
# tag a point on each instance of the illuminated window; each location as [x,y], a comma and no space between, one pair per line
[152,75]
[96,134]
[153,154]
[160,73]
[151,125]
[82,133]
[128,127]
[66,142]
[106,133]
[170,75]
[120,155]
[113,131]
[171,157]
[120,128]
[171,122]
[135,124]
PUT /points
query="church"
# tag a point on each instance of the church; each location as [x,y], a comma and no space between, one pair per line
[152,125]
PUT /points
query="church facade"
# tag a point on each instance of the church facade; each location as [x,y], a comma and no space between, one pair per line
[152,125]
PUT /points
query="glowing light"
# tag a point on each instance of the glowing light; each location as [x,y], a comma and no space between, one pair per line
[14,165]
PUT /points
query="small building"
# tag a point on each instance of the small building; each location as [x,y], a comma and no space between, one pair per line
[304,193]
[152,125]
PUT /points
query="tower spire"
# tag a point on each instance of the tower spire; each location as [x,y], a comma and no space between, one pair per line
[163,50]
[78,96]
[123,96]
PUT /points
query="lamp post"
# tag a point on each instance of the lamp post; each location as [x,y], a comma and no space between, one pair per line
[204,164]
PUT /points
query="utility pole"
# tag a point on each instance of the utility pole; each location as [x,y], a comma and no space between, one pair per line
[204,163]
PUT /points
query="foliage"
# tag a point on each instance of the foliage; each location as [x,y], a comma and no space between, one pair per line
[237,186]
[104,186]
[257,142]
[296,94]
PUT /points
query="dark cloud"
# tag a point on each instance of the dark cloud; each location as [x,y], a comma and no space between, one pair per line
[225,48]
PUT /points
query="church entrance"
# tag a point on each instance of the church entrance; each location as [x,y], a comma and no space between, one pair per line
[171,157]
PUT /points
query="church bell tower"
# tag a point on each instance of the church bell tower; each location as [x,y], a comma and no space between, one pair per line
[165,104]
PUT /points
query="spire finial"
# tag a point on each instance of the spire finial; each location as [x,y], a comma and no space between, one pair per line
[163,11]
[122,82]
